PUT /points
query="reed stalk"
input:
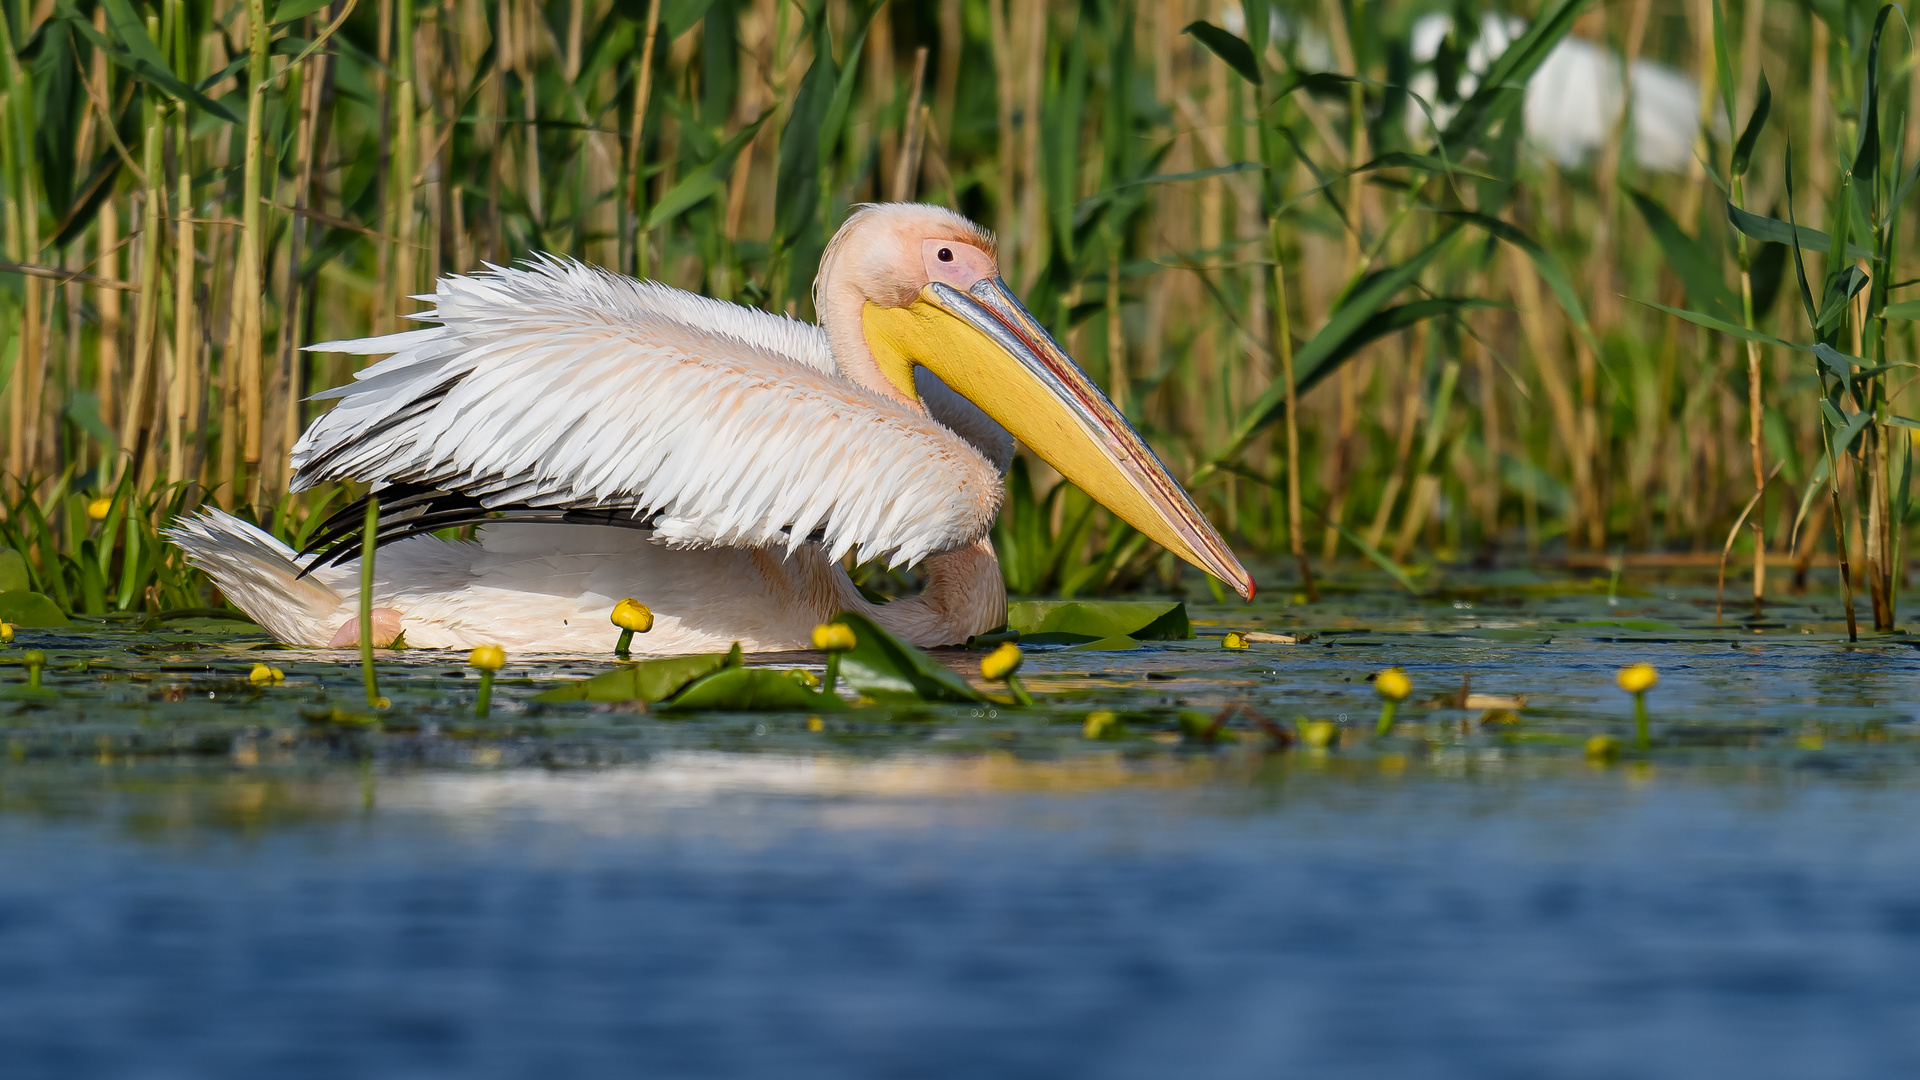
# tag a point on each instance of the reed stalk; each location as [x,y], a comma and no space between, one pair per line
[1200,225]
[369,531]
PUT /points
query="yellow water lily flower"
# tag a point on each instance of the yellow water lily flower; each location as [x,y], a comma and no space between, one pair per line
[1001,662]
[262,675]
[834,637]
[1234,640]
[1637,678]
[633,616]
[1393,684]
[488,658]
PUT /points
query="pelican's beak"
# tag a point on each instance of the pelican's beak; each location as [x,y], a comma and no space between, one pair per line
[986,346]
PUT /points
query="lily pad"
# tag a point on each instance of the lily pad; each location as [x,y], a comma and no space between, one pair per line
[885,668]
[13,572]
[30,609]
[1069,622]
[649,680]
[1645,625]
[1111,644]
[745,689]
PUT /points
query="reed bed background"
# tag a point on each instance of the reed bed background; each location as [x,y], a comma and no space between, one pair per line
[1356,338]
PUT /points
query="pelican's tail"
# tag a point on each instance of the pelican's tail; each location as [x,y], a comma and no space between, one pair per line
[260,575]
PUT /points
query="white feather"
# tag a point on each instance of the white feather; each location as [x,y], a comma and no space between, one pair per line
[561,385]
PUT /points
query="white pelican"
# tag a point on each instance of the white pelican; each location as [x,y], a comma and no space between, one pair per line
[620,438]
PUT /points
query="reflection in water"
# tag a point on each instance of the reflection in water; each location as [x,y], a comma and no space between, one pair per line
[253,881]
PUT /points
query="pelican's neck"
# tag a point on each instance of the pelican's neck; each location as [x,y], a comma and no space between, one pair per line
[965,595]
[842,312]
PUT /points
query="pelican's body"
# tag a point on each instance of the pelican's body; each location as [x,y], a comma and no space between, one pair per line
[741,455]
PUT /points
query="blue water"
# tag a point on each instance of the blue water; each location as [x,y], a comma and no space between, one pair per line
[204,879]
[1291,922]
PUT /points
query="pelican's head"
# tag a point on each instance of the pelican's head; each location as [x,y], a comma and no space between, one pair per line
[907,286]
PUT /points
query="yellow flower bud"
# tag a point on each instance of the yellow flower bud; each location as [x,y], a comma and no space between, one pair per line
[6,633]
[488,658]
[1393,684]
[1001,662]
[1234,640]
[1320,734]
[99,508]
[631,614]
[834,637]
[1103,724]
[262,675]
[1637,678]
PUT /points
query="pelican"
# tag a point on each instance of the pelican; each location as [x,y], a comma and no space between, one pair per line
[613,437]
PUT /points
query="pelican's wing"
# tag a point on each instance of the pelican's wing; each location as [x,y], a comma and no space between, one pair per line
[560,392]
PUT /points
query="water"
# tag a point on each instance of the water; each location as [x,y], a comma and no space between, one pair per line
[250,884]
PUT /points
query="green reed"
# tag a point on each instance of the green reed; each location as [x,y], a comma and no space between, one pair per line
[1357,339]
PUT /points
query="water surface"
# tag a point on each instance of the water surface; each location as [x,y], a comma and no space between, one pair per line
[203,878]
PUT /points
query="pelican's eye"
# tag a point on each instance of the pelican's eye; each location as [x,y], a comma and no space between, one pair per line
[946,255]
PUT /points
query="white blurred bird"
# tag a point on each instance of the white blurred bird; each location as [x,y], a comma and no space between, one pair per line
[1574,98]
[615,438]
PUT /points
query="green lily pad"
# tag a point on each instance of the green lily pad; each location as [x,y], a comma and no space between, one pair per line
[30,609]
[1067,622]
[885,668]
[1110,644]
[1647,625]
[649,680]
[13,572]
[745,689]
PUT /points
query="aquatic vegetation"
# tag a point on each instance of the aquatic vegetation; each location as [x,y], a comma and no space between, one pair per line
[632,617]
[1234,639]
[487,659]
[648,681]
[1637,679]
[1077,622]
[1319,734]
[1463,378]
[368,544]
[1103,724]
[1393,686]
[1002,665]
[262,675]
[832,639]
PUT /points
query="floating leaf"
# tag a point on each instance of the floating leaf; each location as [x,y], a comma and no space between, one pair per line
[1076,621]
[23,608]
[13,571]
[885,668]
[649,680]
[745,689]
[1121,643]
